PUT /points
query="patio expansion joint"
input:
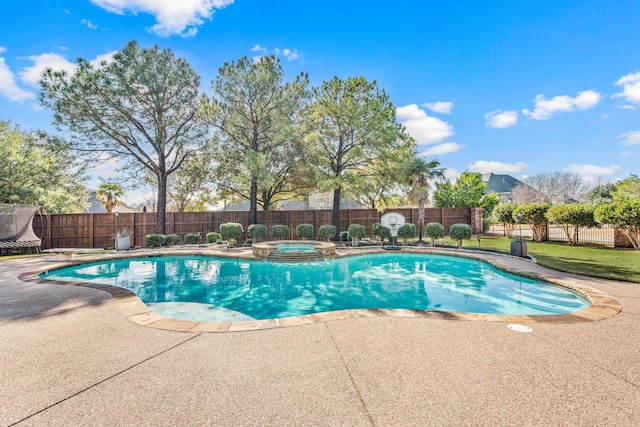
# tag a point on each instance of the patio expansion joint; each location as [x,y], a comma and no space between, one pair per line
[353,382]
[104,380]
[577,356]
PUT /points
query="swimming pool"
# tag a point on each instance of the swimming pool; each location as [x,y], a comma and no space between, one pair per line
[203,288]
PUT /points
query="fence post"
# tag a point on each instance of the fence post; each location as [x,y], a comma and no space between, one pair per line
[91,233]
[48,216]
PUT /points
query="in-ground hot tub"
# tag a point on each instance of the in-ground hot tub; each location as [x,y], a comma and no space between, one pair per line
[262,249]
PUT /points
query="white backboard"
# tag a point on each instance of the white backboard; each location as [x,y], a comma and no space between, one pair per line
[392,221]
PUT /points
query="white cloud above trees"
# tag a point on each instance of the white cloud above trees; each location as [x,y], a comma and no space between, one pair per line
[501,119]
[8,86]
[441,149]
[423,128]
[546,108]
[174,17]
[32,74]
[485,166]
[442,107]
[592,173]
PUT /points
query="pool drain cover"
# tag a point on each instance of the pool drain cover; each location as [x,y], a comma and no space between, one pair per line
[519,328]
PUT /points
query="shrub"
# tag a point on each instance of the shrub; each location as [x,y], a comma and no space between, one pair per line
[504,213]
[230,231]
[327,232]
[154,240]
[256,231]
[434,230]
[460,232]
[381,232]
[213,237]
[248,241]
[355,232]
[407,231]
[280,231]
[172,239]
[624,214]
[486,225]
[192,238]
[305,231]
[533,214]
[572,217]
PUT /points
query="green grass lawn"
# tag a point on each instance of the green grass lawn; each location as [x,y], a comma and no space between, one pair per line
[590,260]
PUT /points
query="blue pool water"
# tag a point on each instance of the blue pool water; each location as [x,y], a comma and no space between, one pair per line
[209,288]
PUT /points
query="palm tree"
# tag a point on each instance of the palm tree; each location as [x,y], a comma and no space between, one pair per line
[417,174]
[109,196]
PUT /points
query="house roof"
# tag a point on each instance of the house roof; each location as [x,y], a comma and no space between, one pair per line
[499,183]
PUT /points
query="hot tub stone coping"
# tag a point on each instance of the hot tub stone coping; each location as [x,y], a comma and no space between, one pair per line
[602,305]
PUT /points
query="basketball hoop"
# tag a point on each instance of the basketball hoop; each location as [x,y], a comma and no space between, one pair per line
[393,221]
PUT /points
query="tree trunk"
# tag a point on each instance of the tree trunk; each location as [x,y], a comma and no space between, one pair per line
[335,214]
[161,215]
[420,219]
[253,202]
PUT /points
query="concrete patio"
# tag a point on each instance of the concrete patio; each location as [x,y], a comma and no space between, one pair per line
[70,357]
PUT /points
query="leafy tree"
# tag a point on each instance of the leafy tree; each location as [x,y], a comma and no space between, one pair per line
[468,191]
[380,231]
[351,124]
[280,231]
[623,213]
[109,195]
[356,231]
[418,174]
[39,169]
[257,231]
[257,114]
[572,216]
[503,213]
[628,188]
[533,214]
[140,108]
[600,194]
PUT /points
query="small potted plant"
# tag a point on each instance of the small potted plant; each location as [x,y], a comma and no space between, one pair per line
[123,239]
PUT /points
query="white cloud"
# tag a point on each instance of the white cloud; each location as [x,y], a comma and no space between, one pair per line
[3,49]
[442,107]
[591,173]
[422,127]
[8,86]
[484,166]
[290,54]
[441,149]
[258,48]
[501,119]
[630,87]
[546,108]
[181,17]
[89,24]
[32,75]
[630,138]
[105,57]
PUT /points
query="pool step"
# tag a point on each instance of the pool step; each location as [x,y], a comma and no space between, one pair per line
[295,256]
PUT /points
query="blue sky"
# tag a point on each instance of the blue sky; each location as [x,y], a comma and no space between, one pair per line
[517,87]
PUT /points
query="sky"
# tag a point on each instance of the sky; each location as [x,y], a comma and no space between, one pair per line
[516,87]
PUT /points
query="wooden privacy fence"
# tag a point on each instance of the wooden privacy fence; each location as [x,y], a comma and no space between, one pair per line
[98,230]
